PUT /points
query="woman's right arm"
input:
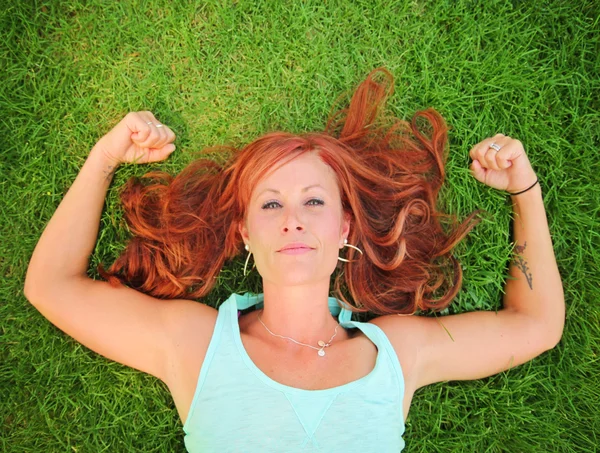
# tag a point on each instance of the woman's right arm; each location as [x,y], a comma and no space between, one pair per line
[122,324]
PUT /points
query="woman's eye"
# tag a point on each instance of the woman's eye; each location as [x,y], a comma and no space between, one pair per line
[269,204]
[316,200]
[311,202]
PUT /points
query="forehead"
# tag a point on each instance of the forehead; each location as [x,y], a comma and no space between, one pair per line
[299,172]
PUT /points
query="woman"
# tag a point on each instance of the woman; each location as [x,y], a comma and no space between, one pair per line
[295,373]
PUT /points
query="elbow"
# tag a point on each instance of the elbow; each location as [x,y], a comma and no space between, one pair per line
[543,340]
[553,329]
[28,288]
[545,329]
[31,280]
[552,341]
[29,293]
[555,336]
[32,289]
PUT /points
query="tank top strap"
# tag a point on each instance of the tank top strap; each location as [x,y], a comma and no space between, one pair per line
[370,330]
[337,309]
[247,300]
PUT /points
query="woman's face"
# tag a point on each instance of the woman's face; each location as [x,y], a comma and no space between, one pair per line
[298,203]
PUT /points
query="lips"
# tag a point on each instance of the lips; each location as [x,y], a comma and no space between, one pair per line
[295,246]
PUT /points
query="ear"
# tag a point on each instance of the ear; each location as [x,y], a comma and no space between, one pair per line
[345,228]
[243,231]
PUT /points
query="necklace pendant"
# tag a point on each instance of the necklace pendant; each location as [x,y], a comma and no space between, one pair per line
[321,343]
[321,353]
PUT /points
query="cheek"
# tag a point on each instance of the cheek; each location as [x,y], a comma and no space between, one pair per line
[330,232]
[261,231]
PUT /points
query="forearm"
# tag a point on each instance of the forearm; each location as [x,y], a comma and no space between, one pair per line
[534,286]
[68,240]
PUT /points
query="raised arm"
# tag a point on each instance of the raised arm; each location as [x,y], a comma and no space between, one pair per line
[479,344]
[119,323]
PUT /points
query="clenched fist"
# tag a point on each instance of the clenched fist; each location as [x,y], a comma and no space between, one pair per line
[506,168]
[138,138]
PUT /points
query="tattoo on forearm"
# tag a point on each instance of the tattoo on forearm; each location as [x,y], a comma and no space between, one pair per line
[522,264]
[110,172]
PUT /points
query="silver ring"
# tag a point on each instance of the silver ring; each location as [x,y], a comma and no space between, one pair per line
[159,125]
[149,122]
[494,146]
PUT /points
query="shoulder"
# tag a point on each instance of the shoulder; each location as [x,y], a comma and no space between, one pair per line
[190,326]
[402,331]
[184,317]
[405,334]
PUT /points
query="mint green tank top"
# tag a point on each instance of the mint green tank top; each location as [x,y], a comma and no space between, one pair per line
[238,408]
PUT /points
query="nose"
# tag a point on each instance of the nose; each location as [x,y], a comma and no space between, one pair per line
[291,221]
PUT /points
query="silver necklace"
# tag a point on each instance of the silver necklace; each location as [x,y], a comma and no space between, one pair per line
[320,342]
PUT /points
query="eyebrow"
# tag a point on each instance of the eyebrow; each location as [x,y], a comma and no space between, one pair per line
[303,190]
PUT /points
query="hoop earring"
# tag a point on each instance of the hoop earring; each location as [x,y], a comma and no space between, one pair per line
[247,258]
[355,248]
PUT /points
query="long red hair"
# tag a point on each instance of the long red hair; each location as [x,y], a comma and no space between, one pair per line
[186,227]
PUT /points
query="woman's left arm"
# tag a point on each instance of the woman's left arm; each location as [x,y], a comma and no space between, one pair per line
[534,288]
[479,344]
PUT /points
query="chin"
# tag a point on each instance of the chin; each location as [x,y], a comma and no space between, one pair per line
[291,275]
[295,280]
[298,278]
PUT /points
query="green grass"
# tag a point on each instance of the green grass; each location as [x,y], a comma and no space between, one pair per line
[227,72]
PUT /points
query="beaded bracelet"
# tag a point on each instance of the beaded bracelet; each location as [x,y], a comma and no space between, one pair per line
[522,191]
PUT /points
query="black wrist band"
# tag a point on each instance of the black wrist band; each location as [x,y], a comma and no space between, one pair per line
[530,187]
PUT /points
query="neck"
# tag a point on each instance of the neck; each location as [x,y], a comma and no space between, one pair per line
[299,312]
